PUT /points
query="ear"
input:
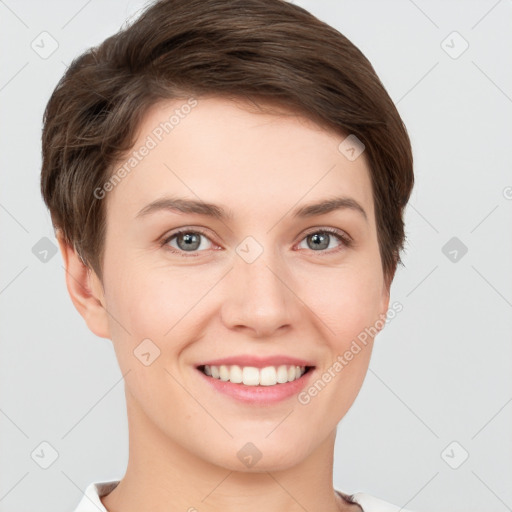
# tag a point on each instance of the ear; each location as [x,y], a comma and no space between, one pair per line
[85,289]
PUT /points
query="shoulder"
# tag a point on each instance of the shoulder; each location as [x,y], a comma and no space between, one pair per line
[371,503]
[90,501]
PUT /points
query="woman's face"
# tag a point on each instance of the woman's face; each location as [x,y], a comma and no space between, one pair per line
[259,282]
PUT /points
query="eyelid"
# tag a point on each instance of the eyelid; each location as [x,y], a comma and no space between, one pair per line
[327,229]
[346,240]
[187,229]
[343,237]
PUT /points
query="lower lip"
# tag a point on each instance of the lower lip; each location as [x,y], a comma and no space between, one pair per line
[259,394]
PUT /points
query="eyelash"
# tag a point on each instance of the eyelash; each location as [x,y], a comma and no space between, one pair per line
[345,240]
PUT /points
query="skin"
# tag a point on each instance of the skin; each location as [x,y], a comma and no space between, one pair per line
[295,300]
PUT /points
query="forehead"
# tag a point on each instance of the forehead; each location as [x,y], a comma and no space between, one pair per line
[229,152]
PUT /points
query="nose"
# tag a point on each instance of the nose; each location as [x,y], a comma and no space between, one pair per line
[259,298]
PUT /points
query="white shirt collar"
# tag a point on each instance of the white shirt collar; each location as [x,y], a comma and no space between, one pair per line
[91,502]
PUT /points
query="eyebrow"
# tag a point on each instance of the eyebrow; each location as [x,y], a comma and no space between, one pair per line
[218,212]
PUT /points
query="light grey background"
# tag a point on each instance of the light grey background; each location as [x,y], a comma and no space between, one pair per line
[441,371]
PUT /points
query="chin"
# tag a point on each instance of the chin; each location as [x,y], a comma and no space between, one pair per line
[251,457]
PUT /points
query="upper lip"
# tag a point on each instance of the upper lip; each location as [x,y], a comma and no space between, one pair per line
[258,362]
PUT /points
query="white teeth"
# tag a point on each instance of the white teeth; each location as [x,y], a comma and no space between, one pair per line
[235,374]
[251,376]
[268,376]
[223,372]
[282,374]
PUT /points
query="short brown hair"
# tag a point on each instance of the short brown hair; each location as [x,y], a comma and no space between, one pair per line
[254,49]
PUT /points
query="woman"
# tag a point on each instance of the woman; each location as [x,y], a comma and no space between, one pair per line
[227,181]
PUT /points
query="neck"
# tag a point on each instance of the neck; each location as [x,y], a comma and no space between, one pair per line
[163,475]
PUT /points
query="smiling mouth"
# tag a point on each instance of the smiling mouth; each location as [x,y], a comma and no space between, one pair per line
[252,376]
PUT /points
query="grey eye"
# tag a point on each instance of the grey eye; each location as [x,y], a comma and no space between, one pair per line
[320,240]
[187,241]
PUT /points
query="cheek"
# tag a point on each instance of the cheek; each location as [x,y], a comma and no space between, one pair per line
[157,305]
[145,323]
[347,301]
[146,302]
